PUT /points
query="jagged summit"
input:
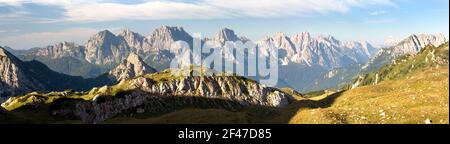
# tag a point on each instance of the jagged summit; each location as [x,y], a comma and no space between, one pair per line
[104,34]
[129,68]
[226,34]
[415,42]
[166,33]
[105,48]
[61,49]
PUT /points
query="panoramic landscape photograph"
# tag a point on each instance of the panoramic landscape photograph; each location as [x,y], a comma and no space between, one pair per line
[224,62]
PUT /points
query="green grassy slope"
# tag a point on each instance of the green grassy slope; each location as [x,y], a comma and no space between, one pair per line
[428,57]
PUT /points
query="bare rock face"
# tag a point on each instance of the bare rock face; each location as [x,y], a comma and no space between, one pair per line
[105,48]
[414,43]
[245,91]
[129,68]
[146,94]
[13,79]
[62,49]
[163,37]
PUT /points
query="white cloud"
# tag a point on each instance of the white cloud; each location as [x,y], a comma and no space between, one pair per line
[154,10]
[377,13]
[29,40]
[104,10]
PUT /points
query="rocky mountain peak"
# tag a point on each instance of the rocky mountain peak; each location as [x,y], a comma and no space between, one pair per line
[105,48]
[162,37]
[226,34]
[128,34]
[125,32]
[6,55]
[169,33]
[302,40]
[129,68]
[416,42]
[134,58]
[104,34]
[302,36]
[284,42]
[15,76]
[134,40]
[2,52]
[61,49]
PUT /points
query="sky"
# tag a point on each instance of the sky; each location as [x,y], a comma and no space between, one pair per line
[37,23]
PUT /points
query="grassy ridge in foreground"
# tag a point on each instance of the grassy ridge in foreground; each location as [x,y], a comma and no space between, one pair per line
[429,56]
[422,95]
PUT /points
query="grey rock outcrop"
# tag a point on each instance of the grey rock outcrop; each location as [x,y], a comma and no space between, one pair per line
[129,68]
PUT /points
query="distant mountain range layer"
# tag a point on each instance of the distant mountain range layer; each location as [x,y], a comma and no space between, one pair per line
[307,63]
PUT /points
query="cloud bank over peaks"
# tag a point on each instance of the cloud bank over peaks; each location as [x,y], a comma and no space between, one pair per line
[107,10]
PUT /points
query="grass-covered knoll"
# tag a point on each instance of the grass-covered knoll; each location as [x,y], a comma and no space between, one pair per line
[195,71]
[422,95]
[47,98]
[428,57]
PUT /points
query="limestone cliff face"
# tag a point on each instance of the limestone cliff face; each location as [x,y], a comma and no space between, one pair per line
[232,88]
[105,48]
[158,92]
[129,68]
[147,95]
[59,50]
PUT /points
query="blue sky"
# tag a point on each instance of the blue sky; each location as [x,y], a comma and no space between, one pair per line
[36,23]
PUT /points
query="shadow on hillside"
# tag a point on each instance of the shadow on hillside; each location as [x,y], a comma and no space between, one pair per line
[285,114]
[164,109]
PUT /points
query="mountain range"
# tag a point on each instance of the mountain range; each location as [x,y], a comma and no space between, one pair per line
[323,61]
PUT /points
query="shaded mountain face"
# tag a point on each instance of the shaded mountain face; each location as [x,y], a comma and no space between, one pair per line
[158,92]
[19,77]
